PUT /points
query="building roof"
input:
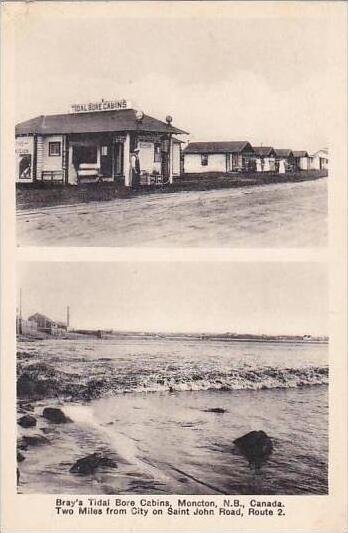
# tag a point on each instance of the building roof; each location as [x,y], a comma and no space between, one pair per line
[219,147]
[300,153]
[283,152]
[324,151]
[264,150]
[39,316]
[93,122]
[61,324]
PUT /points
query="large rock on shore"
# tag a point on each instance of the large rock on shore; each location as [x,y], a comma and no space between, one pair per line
[55,415]
[27,421]
[31,387]
[31,440]
[256,446]
[88,465]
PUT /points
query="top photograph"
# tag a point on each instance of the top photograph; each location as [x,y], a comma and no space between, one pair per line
[171,131]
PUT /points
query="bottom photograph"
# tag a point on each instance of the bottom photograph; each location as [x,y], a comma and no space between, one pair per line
[172,378]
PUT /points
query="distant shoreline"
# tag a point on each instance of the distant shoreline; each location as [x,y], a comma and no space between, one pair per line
[108,335]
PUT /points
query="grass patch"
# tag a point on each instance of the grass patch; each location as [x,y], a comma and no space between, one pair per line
[30,196]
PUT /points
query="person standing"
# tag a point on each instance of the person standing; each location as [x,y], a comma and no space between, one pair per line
[135,164]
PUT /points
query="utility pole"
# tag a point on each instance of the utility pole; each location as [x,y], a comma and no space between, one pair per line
[20,312]
[67,317]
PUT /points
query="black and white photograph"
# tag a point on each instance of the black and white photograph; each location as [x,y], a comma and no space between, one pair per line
[200,133]
[172,378]
[173,266]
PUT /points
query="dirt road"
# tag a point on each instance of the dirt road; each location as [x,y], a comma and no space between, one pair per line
[286,214]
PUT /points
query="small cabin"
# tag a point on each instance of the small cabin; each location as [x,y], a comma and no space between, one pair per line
[286,155]
[319,160]
[222,156]
[265,159]
[301,159]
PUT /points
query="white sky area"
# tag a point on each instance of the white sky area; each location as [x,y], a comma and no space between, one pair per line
[271,298]
[266,80]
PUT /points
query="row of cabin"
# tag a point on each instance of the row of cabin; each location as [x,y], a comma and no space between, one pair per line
[94,146]
[40,323]
[241,156]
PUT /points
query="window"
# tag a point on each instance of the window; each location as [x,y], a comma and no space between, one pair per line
[157,154]
[104,150]
[54,148]
[204,160]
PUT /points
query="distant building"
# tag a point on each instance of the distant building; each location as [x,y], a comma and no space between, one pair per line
[24,327]
[265,158]
[45,324]
[286,155]
[319,160]
[222,156]
[301,159]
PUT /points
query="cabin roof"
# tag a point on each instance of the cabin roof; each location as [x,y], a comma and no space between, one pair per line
[300,153]
[264,150]
[94,122]
[218,147]
[39,316]
[283,152]
[324,151]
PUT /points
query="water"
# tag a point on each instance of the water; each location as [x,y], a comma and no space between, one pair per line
[277,215]
[146,402]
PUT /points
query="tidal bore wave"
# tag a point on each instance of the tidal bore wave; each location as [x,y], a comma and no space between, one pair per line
[40,380]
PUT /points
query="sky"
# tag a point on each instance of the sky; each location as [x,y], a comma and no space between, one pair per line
[253,78]
[270,298]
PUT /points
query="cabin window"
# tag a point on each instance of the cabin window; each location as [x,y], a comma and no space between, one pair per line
[204,160]
[104,150]
[157,153]
[54,148]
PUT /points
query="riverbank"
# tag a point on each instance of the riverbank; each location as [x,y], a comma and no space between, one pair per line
[31,196]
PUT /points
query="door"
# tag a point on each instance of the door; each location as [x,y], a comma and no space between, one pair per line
[106,161]
[118,159]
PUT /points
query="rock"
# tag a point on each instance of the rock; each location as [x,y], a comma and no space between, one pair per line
[256,446]
[88,465]
[30,386]
[215,410]
[32,440]
[55,415]
[27,421]
[106,462]
[20,457]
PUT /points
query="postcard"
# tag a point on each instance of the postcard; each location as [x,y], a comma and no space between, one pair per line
[174,255]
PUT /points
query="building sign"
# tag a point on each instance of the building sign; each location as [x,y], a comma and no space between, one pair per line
[102,105]
[145,145]
[119,138]
[149,138]
[24,158]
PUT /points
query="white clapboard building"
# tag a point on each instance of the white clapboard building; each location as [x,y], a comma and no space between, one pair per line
[95,142]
